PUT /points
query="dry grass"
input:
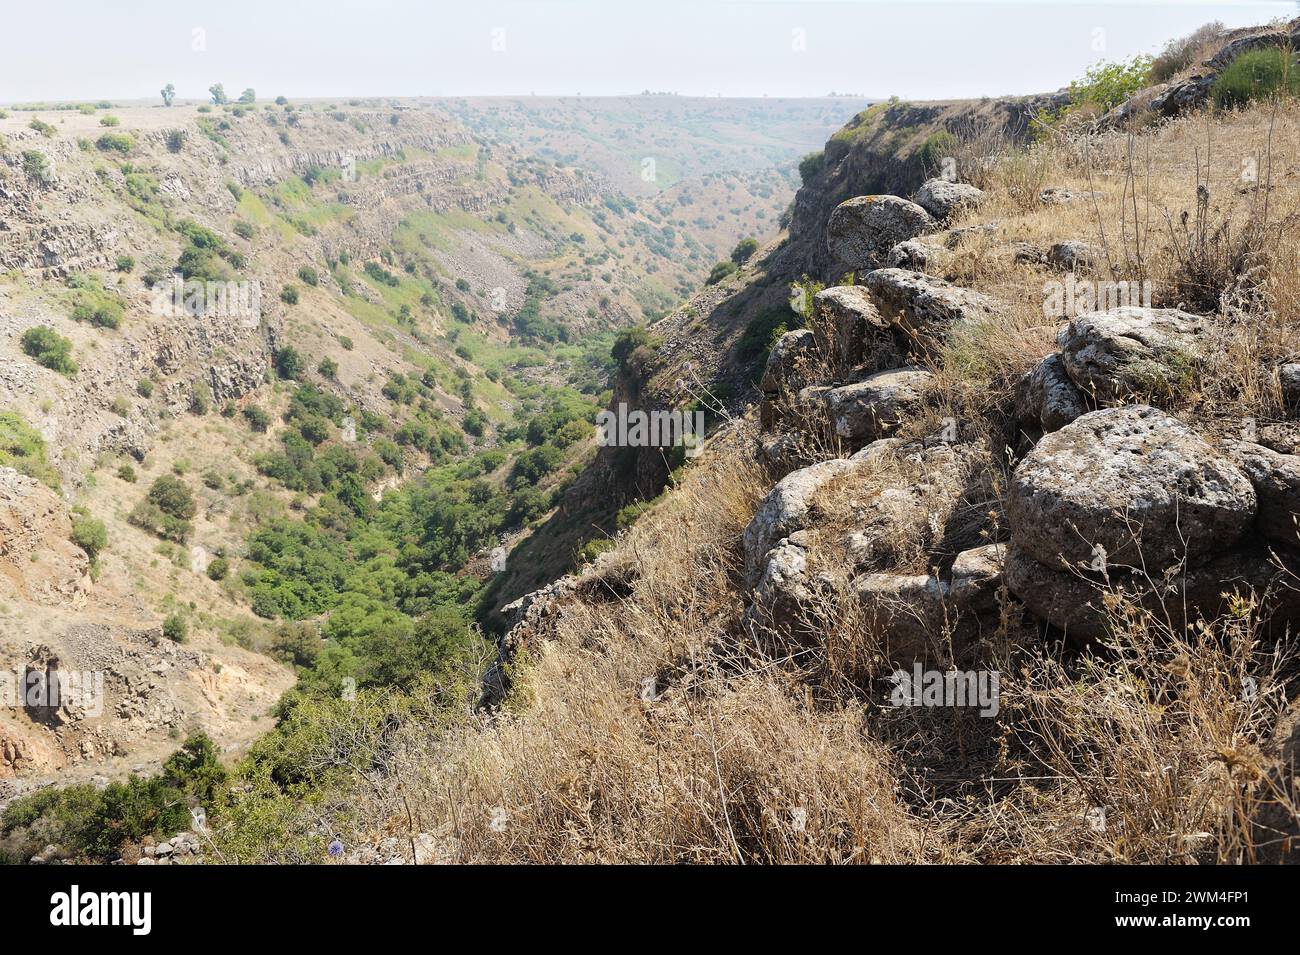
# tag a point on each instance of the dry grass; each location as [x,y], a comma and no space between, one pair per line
[653,726]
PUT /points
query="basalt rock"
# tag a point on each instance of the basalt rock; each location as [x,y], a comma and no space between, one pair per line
[1131,351]
[862,230]
[1127,485]
[943,198]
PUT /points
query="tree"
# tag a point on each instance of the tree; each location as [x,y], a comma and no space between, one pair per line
[218,93]
[248,96]
[288,363]
[172,496]
[49,348]
[168,94]
[743,250]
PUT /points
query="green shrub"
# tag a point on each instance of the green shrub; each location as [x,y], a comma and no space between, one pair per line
[166,510]
[144,388]
[115,142]
[49,348]
[810,165]
[94,305]
[328,368]
[288,363]
[937,147]
[257,419]
[37,167]
[289,295]
[1256,75]
[721,271]
[744,250]
[218,569]
[309,276]
[125,263]
[173,497]
[109,121]
[89,534]
[245,230]
[176,629]
[45,129]
[23,449]
[126,473]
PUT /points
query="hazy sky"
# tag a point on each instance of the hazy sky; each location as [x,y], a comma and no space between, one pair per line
[82,49]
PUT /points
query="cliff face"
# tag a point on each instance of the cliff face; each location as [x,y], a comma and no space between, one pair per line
[702,352]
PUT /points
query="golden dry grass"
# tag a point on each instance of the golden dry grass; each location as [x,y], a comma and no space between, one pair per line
[654,726]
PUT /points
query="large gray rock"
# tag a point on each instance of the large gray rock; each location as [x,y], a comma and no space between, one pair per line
[1072,255]
[1127,485]
[1183,95]
[848,328]
[910,614]
[791,363]
[977,577]
[862,230]
[785,510]
[1086,605]
[1131,351]
[1276,479]
[1046,399]
[874,407]
[912,254]
[1288,376]
[942,198]
[1245,44]
[784,593]
[925,307]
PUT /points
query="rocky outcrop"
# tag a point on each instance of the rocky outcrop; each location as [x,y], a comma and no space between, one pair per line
[1047,399]
[1132,351]
[875,407]
[38,560]
[1276,479]
[1127,486]
[943,198]
[1072,256]
[862,230]
[924,306]
[789,365]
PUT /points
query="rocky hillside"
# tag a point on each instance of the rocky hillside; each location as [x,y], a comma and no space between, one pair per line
[1031,423]
[380,290]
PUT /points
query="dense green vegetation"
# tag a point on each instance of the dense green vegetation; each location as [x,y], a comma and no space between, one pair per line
[1256,75]
[91,824]
[49,348]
